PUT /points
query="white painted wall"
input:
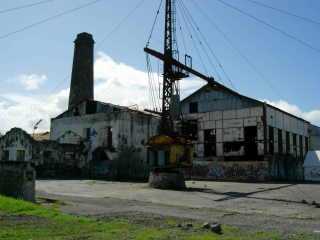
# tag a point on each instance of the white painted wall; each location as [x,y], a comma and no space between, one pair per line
[129,128]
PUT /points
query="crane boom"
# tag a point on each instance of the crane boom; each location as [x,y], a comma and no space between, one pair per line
[184,67]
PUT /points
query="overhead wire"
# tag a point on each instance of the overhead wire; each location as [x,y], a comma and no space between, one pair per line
[197,28]
[182,36]
[199,40]
[154,90]
[112,31]
[49,19]
[274,28]
[193,41]
[7,10]
[122,21]
[154,23]
[150,79]
[238,51]
[303,18]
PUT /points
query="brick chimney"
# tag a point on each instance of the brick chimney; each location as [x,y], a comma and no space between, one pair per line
[82,70]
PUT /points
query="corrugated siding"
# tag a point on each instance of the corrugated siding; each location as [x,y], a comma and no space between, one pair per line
[217,101]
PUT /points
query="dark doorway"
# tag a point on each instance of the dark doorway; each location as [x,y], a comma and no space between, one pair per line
[280,141]
[193,107]
[250,141]
[210,149]
[271,140]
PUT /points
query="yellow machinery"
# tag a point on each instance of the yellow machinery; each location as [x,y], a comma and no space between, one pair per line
[170,152]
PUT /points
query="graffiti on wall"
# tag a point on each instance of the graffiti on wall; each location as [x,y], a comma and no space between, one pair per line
[246,171]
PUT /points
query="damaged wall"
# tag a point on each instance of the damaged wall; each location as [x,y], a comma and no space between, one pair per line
[49,157]
[16,145]
[106,132]
[234,129]
[286,134]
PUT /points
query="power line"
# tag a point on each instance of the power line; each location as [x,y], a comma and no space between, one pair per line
[197,28]
[49,19]
[285,12]
[288,35]
[120,23]
[154,23]
[183,38]
[184,18]
[99,43]
[236,49]
[24,6]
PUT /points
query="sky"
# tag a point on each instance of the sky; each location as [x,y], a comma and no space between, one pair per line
[35,64]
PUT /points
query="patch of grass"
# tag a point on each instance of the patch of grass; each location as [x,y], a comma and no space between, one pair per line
[21,220]
[92,182]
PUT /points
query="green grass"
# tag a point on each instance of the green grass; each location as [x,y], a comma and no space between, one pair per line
[21,220]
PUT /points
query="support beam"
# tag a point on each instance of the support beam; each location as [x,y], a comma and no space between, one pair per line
[182,66]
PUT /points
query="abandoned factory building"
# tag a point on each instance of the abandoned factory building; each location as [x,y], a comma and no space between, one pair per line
[49,157]
[237,137]
[106,131]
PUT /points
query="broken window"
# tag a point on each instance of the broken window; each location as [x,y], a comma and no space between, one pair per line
[20,155]
[210,143]
[232,146]
[190,129]
[91,107]
[271,140]
[193,107]
[280,142]
[288,150]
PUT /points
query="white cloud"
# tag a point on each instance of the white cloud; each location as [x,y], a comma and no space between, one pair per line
[122,84]
[24,111]
[313,116]
[115,82]
[32,81]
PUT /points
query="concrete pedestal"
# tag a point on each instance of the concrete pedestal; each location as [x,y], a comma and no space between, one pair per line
[162,179]
[17,180]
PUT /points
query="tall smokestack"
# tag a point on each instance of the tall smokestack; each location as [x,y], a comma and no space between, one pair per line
[82,70]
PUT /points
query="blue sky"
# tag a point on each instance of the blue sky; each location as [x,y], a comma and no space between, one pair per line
[45,52]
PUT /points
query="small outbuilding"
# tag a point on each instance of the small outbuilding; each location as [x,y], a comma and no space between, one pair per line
[312,166]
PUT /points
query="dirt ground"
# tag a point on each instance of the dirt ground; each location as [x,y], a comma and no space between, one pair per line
[288,208]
